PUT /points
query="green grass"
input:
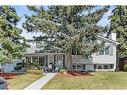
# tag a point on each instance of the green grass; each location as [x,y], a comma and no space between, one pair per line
[100,80]
[23,81]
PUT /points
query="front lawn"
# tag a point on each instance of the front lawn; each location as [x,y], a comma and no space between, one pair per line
[23,81]
[98,80]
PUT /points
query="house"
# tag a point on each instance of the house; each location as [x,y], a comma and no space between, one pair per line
[104,60]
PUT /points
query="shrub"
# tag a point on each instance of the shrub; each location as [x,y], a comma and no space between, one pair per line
[125,68]
[35,71]
[63,70]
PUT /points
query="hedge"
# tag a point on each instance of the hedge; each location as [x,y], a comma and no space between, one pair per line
[34,71]
[125,68]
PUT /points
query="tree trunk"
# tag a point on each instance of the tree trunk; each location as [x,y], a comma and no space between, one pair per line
[69,61]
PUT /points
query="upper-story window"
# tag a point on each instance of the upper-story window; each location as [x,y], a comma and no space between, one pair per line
[75,52]
[104,51]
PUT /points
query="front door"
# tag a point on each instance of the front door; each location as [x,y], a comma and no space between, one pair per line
[84,67]
[51,62]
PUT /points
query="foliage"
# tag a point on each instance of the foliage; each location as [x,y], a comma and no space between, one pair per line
[67,28]
[19,66]
[35,71]
[12,44]
[70,26]
[63,70]
[119,25]
[125,68]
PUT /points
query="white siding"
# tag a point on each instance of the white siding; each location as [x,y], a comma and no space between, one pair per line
[107,59]
[79,59]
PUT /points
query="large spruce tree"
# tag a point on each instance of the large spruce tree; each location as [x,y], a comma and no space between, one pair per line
[12,45]
[70,27]
[119,25]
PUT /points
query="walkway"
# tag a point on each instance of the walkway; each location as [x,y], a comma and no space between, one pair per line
[41,82]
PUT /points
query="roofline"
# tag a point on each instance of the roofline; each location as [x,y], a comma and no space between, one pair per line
[41,54]
[108,40]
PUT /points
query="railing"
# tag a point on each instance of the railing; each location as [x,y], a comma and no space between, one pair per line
[79,59]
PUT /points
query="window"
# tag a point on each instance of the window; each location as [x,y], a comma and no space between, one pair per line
[111,66]
[106,66]
[99,67]
[41,62]
[101,52]
[107,50]
[35,59]
[59,57]
[79,67]
[74,67]
[28,59]
[75,52]
[104,51]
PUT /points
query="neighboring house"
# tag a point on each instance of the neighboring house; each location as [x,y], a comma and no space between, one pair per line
[104,60]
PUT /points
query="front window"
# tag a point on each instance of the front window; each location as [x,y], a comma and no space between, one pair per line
[74,67]
[41,61]
[35,59]
[99,67]
[79,67]
[106,66]
[28,59]
[111,66]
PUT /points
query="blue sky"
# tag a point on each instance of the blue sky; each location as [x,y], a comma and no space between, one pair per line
[21,10]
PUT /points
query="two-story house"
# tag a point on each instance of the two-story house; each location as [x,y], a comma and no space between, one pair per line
[104,60]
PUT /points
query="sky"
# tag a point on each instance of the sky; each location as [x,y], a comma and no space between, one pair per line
[22,10]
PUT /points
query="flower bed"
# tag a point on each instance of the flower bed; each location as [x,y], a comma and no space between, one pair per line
[75,73]
[8,75]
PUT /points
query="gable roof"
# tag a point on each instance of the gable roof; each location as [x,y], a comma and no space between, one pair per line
[33,49]
[102,38]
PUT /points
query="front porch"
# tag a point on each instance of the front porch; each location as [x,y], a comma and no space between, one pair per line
[52,61]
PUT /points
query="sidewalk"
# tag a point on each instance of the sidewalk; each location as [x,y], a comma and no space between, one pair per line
[38,84]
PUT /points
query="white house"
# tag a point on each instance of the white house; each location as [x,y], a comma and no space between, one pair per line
[104,60]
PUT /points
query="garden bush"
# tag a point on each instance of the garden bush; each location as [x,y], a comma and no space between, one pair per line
[35,71]
[63,70]
[125,68]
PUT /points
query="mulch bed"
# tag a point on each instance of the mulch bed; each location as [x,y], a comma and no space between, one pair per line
[8,75]
[75,74]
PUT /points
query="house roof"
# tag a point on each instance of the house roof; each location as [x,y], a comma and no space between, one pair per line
[33,49]
[42,54]
[108,40]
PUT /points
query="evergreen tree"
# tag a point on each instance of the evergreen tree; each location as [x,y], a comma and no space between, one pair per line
[12,45]
[73,27]
[119,25]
